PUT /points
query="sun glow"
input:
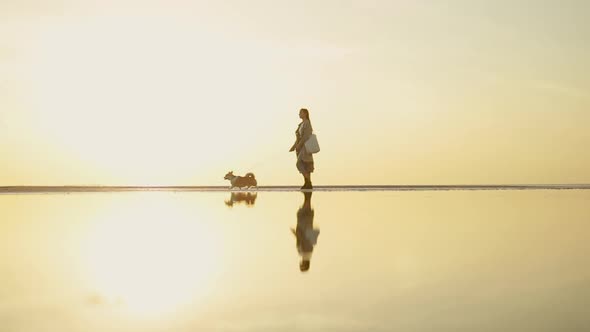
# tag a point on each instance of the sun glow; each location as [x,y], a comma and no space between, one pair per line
[152,257]
[147,103]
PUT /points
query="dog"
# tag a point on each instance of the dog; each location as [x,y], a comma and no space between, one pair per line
[247,181]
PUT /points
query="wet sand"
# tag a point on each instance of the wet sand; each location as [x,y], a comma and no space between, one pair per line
[66,189]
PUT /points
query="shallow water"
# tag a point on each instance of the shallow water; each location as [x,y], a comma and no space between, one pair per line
[202,261]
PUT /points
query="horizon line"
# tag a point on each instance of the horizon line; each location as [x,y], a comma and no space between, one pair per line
[279,188]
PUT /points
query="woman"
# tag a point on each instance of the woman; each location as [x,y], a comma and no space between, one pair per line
[304,158]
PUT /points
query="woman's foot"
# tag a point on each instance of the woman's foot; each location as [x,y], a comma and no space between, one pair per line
[307,185]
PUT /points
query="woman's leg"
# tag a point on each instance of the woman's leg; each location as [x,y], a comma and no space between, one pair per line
[301,168]
[307,177]
[305,169]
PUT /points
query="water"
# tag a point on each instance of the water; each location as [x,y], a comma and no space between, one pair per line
[509,260]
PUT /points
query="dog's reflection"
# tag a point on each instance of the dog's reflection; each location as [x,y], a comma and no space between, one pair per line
[247,198]
[306,236]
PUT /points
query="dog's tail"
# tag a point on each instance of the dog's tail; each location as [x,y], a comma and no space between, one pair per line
[253,178]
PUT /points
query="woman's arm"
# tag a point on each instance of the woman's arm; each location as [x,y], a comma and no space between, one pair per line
[305,133]
[296,144]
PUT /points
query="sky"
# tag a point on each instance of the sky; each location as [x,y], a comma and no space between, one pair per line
[174,92]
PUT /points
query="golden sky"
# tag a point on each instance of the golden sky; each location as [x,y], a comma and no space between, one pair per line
[400,92]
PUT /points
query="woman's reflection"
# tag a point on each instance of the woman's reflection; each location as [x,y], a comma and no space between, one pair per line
[306,235]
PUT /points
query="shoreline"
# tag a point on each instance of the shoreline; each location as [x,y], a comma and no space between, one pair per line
[68,189]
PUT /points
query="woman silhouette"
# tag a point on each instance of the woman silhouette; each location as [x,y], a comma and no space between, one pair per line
[304,158]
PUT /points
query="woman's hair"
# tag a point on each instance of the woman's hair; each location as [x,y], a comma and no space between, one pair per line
[304,110]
